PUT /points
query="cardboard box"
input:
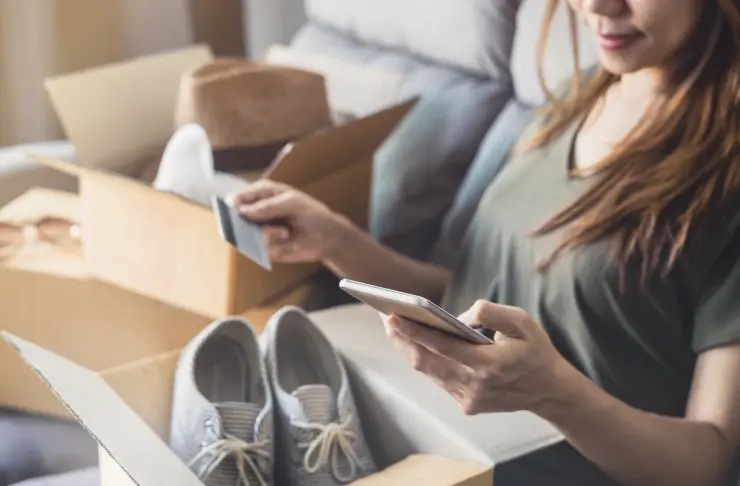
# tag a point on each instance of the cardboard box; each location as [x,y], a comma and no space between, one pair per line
[48,296]
[127,411]
[160,245]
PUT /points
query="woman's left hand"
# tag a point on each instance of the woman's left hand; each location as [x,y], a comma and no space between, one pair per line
[520,371]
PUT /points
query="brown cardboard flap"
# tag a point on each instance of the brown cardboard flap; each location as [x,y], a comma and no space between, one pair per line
[122,113]
[333,191]
[431,471]
[80,171]
[108,176]
[326,152]
[149,243]
[97,325]
[113,424]
[134,382]
[64,166]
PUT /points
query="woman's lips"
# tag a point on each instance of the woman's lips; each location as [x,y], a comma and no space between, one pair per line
[614,42]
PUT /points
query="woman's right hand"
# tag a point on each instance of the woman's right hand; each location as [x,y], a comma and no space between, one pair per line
[297,227]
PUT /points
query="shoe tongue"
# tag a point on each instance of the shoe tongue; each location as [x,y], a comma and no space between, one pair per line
[318,403]
[239,419]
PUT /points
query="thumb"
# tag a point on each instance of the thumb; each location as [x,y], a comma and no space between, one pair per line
[255,192]
[512,322]
[279,207]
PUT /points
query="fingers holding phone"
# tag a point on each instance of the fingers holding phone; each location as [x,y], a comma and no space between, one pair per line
[519,373]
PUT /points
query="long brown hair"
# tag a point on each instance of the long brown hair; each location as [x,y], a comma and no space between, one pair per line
[674,168]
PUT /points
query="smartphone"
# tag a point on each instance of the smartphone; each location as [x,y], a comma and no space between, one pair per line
[414,308]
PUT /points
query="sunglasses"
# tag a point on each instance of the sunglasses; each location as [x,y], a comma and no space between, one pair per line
[50,230]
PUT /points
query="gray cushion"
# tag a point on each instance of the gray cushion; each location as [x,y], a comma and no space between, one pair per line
[474,35]
[421,165]
[491,157]
[558,60]
[32,446]
[83,477]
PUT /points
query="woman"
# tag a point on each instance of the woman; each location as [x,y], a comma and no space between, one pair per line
[606,255]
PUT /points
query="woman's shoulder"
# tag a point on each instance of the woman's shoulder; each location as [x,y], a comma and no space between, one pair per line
[714,246]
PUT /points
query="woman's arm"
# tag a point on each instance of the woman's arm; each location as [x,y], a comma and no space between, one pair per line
[300,229]
[356,255]
[639,448]
[523,371]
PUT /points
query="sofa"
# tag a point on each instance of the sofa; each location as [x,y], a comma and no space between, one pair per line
[473,66]
[455,57]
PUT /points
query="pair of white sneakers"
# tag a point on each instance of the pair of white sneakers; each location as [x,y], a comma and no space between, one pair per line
[275,411]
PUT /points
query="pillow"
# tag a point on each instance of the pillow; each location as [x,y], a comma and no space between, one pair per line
[473,35]
[353,89]
[418,169]
[491,157]
[558,59]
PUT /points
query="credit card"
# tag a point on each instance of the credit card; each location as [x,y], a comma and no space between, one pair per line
[244,235]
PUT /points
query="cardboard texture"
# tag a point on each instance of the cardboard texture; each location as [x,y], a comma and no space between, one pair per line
[431,470]
[48,296]
[160,245]
[112,423]
[127,411]
[120,113]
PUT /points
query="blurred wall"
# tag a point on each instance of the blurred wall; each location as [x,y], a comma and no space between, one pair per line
[41,38]
[271,22]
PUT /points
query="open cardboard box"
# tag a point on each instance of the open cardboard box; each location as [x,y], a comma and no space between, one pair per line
[48,296]
[120,117]
[127,411]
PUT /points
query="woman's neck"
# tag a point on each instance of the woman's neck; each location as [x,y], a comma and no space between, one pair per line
[646,84]
[616,115]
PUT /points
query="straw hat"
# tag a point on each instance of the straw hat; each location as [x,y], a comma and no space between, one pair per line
[252,109]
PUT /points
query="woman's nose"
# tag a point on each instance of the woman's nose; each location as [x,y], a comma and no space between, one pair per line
[605,8]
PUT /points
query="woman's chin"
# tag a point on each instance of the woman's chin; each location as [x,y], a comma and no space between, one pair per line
[619,65]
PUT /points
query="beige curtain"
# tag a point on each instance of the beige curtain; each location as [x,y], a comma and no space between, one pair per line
[40,38]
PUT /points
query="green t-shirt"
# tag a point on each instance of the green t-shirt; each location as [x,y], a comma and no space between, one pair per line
[639,344]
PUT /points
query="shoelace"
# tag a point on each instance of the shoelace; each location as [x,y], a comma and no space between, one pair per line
[331,439]
[241,451]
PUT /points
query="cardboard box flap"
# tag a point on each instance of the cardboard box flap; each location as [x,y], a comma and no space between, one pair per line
[64,166]
[77,170]
[430,470]
[122,112]
[113,424]
[314,158]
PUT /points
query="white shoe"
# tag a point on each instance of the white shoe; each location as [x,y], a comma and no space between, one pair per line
[321,442]
[222,419]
